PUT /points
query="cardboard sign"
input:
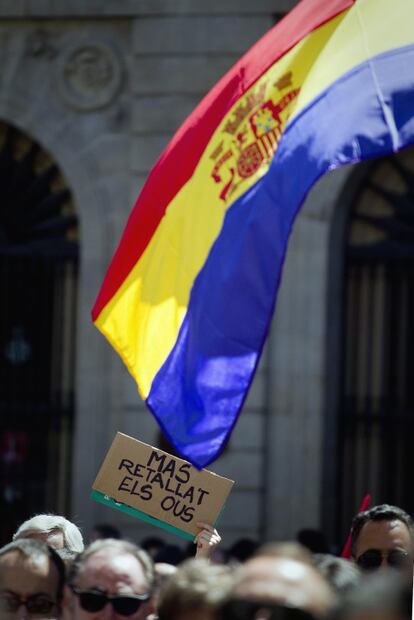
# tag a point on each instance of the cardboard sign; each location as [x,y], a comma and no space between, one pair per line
[159,488]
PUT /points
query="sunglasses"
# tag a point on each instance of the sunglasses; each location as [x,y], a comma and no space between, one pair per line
[372,559]
[94,600]
[35,604]
[244,609]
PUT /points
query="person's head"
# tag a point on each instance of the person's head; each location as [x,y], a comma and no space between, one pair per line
[58,532]
[383,536]
[291,588]
[343,575]
[32,575]
[314,540]
[110,579]
[194,591]
[383,595]
[163,573]
[291,550]
[242,550]
[169,554]
[152,545]
[104,530]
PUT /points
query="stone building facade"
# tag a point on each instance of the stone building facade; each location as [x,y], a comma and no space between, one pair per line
[102,85]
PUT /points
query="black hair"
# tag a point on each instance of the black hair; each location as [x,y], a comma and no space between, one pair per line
[105,530]
[312,539]
[152,542]
[243,549]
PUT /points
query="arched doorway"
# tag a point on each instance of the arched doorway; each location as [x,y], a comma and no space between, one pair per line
[375,391]
[38,283]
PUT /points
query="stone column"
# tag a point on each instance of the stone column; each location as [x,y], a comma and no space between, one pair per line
[298,369]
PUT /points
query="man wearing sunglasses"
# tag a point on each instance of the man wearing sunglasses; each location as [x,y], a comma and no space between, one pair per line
[31,581]
[382,537]
[110,579]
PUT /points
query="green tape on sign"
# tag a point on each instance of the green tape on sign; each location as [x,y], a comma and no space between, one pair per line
[133,512]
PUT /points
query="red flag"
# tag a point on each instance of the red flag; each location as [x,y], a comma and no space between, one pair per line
[346,551]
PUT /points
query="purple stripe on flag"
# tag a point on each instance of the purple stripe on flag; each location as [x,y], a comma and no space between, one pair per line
[199,391]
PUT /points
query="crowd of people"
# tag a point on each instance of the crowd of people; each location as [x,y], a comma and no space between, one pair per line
[47,572]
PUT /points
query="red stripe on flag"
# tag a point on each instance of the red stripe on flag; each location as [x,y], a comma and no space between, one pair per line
[347,550]
[178,161]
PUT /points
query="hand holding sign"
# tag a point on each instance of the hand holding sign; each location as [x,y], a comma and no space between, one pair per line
[206,540]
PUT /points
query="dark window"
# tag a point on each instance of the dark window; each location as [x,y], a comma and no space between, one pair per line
[38,283]
[375,391]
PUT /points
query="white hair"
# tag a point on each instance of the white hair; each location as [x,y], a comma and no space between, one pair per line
[47,523]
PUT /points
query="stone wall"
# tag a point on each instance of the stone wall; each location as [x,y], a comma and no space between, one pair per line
[103,85]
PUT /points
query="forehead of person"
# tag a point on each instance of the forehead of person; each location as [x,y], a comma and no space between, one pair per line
[113,572]
[384,536]
[26,577]
[285,581]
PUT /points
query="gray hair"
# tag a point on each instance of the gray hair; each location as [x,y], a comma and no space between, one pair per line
[47,523]
[343,575]
[36,550]
[119,547]
[196,585]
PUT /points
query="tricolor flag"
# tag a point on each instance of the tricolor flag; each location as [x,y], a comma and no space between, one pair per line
[189,296]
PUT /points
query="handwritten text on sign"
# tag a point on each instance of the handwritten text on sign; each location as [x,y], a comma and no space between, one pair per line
[161,485]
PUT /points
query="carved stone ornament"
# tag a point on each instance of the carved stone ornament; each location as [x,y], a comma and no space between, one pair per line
[90,75]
